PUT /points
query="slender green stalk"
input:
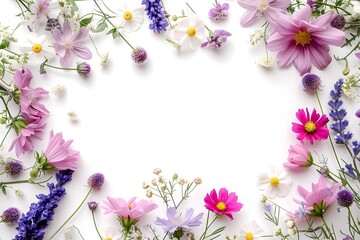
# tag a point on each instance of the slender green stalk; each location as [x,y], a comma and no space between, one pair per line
[207,226]
[95,225]
[6,134]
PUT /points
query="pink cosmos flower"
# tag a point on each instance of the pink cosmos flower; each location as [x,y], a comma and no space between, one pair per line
[319,198]
[256,8]
[305,43]
[299,157]
[222,204]
[58,153]
[311,126]
[22,78]
[67,43]
[31,109]
[23,142]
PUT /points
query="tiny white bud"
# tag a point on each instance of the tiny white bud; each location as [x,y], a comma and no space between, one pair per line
[58,90]
[73,116]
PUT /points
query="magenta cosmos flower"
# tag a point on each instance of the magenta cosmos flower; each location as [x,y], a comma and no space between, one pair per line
[305,43]
[316,201]
[299,157]
[222,204]
[68,43]
[255,8]
[311,126]
[58,153]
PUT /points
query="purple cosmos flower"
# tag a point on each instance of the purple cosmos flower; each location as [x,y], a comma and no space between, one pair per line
[217,39]
[219,12]
[155,12]
[68,43]
[31,109]
[305,43]
[179,223]
[255,8]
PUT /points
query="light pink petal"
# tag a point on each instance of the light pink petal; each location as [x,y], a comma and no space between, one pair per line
[303,14]
[280,4]
[66,60]
[249,17]
[286,57]
[303,61]
[248,4]
[325,19]
[82,52]
[331,36]
[83,33]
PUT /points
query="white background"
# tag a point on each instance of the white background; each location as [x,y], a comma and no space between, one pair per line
[214,114]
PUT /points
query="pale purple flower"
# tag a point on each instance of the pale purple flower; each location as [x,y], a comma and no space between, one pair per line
[183,222]
[22,78]
[357,55]
[23,142]
[305,43]
[30,107]
[58,153]
[219,12]
[217,39]
[68,43]
[42,8]
[268,8]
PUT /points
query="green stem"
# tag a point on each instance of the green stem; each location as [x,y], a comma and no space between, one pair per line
[69,218]
[126,234]
[7,133]
[6,107]
[207,226]
[96,228]
[61,68]
[16,54]
[327,228]
[25,181]
[78,230]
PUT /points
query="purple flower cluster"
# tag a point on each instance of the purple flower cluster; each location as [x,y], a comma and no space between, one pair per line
[217,39]
[219,12]
[155,13]
[33,224]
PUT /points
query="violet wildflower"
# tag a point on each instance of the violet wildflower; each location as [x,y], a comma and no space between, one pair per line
[338,114]
[350,170]
[83,69]
[92,205]
[338,22]
[10,216]
[357,113]
[217,39]
[311,82]
[139,55]
[96,181]
[13,168]
[219,12]
[155,13]
[345,198]
[32,225]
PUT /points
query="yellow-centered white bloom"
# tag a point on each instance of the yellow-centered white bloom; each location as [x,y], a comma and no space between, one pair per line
[130,19]
[110,233]
[274,182]
[37,47]
[190,33]
[250,231]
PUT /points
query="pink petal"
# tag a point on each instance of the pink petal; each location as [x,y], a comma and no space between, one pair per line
[82,52]
[303,14]
[66,60]
[249,17]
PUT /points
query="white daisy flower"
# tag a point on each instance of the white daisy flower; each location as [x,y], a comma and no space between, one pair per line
[275,182]
[37,47]
[110,233]
[190,33]
[131,19]
[250,231]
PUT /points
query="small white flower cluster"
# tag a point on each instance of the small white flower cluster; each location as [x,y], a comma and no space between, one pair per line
[349,86]
[58,90]
[290,223]
[257,36]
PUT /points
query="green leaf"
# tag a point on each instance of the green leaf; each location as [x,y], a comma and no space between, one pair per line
[3,189]
[114,32]
[100,26]
[4,44]
[86,21]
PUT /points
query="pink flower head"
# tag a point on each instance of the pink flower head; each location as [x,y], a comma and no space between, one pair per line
[311,127]
[22,78]
[256,8]
[305,43]
[58,153]
[222,204]
[299,157]
[68,42]
[31,109]
[219,12]
[23,142]
[319,198]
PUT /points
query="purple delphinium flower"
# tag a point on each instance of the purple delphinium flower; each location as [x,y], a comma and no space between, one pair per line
[32,225]
[350,170]
[179,223]
[67,43]
[93,205]
[217,39]
[219,12]
[156,14]
[96,181]
[10,216]
[345,198]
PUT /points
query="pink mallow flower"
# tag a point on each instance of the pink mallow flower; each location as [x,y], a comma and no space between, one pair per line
[23,142]
[22,78]
[58,153]
[128,212]
[68,43]
[30,107]
[299,157]
[311,126]
[305,43]
[255,8]
[222,204]
[316,201]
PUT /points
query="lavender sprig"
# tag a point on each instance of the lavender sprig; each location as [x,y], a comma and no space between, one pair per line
[33,224]
[155,13]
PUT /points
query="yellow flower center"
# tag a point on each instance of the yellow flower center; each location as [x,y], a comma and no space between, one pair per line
[310,127]
[274,181]
[191,32]
[249,236]
[303,37]
[263,6]
[36,48]
[127,15]
[221,206]
[108,238]
[130,206]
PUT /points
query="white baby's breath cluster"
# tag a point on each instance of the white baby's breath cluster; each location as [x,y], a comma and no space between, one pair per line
[257,36]
[350,86]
